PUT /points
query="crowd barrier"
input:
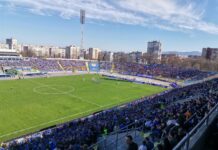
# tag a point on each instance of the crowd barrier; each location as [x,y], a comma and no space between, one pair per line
[195,134]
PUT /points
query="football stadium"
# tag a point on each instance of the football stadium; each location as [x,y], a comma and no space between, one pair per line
[61,99]
[116,96]
[81,104]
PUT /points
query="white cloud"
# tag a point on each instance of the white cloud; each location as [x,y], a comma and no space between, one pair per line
[173,15]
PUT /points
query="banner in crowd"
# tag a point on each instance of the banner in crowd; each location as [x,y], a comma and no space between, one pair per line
[94,67]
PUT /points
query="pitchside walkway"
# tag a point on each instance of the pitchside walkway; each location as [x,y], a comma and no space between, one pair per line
[140,79]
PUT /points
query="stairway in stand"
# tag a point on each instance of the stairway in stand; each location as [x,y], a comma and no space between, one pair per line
[61,66]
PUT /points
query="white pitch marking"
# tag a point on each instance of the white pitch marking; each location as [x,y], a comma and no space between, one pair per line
[69,94]
[62,118]
[47,93]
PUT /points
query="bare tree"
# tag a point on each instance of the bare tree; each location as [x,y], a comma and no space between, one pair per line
[28,53]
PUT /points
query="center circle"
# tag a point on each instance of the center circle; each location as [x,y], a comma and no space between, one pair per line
[53,89]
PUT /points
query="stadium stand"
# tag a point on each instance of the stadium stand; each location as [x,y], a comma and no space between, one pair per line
[36,63]
[148,71]
[69,65]
[154,70]
[174,113]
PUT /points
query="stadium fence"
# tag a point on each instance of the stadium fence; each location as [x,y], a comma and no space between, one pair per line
[194,135]
[115,140]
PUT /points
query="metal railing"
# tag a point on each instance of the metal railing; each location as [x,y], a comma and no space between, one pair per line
[193,136]
[106,141]
[113,140]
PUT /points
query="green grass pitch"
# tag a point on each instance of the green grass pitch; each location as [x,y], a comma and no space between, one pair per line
[32,104]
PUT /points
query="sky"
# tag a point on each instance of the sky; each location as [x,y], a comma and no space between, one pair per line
[113,25]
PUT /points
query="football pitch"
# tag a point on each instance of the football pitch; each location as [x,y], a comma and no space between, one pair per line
[29,105]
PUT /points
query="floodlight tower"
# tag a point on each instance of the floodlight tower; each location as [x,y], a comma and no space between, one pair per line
[82,22]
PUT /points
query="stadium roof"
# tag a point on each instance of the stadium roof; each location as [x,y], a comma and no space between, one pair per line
[8,50]
[8,53]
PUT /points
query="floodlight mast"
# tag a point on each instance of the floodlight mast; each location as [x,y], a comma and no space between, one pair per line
[82,22]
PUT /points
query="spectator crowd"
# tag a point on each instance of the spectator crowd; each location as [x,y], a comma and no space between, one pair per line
[153,70]
[167,117]
[162,70]
[44,65]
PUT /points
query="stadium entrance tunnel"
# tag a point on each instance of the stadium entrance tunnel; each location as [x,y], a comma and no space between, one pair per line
[53,89]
